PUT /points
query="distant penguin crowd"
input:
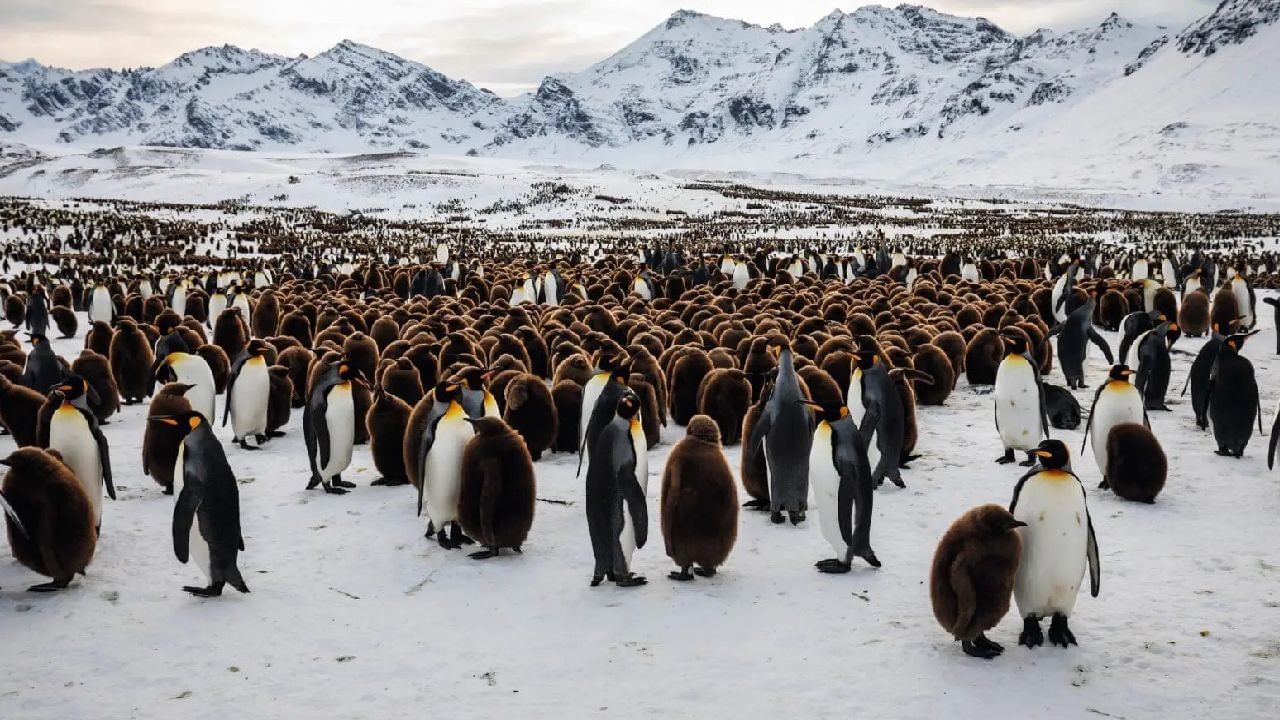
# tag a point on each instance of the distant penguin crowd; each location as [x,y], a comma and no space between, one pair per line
[463,364]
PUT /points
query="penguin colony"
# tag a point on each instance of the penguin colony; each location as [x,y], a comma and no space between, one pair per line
[462,365]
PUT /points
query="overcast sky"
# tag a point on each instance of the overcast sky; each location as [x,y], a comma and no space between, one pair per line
[505,45]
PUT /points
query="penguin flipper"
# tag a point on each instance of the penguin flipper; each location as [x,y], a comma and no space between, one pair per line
[184,514]
[1089,424]
[1101,342]
[231,383]
[1275,437]
[43,423]
[1017,489]
[854,499]
[12,515]
[1095,565]
[104,457]
[633,494]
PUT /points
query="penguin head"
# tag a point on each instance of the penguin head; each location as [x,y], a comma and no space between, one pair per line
[447,390]
[628,405]
[1052,455]
[1120,372]
[1015,340]
[1235,341]
[186,421]
[473,377]
[828,412]
[72,387]
[995,519]
[488,426]
[37,340]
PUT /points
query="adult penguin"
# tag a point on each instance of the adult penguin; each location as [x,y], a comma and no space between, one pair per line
[329,427]
[1233,398]
[132,362]
[248,393]
[191,370]
[617,515]
[68,426]
[43,369]
[1073,335]
[476,398]
[37,314]
[878,393]
[600,412]
[1062,290]
[101,308]
[498,490]
[1022,419]
[1057,541]
[1275,303]
[160,441]
[49,518]
[843,484]
[1245,301]
[784,434]
[1135,324]
[972,576]
[699,502]
[1115,402]
[387,419]
[206,516]
[1153,366]
[440,447]
[1200,375]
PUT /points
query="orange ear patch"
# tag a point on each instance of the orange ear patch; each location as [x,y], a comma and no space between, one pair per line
[194,421]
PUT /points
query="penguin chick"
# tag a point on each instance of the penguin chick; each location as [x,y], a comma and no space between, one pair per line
[972,577]
[699,500]
[50,518]
[531,412]
[159,441]
[1136,464]
[498,492]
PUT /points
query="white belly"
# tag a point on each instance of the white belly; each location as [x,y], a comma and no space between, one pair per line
[1192,285]
[856,407]
[549,287]
[741,276]
[198,549]
[339,416]
[638,442]
[1059,313]
[69,434]
[825,482]
[196,372]
[727,267]
[217,304]
[249,400]
[242,302]
[1017,401]
[641,288]
[1114,407]
[969,271]
[1140,270]
[1242,299]
[1054,547]
[1170,276]
[179,303]
[442,475]
[100,309]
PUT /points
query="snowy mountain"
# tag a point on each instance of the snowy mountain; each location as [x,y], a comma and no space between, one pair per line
[906,93]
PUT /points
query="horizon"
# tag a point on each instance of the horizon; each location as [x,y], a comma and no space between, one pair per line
[517,64]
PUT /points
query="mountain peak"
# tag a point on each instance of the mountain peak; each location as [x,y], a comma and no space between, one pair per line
[1233,22]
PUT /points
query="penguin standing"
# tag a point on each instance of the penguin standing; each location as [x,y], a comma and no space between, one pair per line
[329,427]
[879,394]
[43,369]
[1073,335]
[1131,328]
[699,502]
[1233,398]
[784,434]
[598,414]
[69,427]
[843,485]
[1057,541]
[248,393]
[1021,416]
[440,449]
[1062,290]
[101,308]
[617,516]
[49,518]
[1154,366]
[206,516]
[1136,464]
[972,576]
[132,361]
[498,489]
[1116,401]
[1245,301]
[191,370]
[37,314]
[160,441]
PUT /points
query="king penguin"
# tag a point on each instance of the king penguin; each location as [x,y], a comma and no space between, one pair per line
[1057,541]
[840,474]
[100,306]
[1233,398]
[1073,335]
[1116,401]
[192,370]
[73,431]
[440,451]
[329,427]
[1021,416]
[617,514]
[784,433]
[248,393]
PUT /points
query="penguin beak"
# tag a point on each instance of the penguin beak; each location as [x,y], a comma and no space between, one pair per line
[1017,524]
[6,462]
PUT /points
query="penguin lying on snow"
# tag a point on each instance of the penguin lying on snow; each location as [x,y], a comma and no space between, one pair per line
[206,516]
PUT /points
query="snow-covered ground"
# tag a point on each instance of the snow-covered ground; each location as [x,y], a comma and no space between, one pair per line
[354,614]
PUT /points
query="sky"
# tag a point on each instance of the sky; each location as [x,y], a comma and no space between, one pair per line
[507,46]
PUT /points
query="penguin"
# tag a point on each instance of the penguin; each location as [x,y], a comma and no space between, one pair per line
[217,303]
[843,485]
[1275,303]
[65,320]
[599,413]
[531,412]
[36,318]
[69,427]
[972,576]
[43,369]
[1116,401]
[982,357]
[1061,406]
[132,362]
[1057,541]
[387,419]
[206,516]
[1136,464]
[49,519]
[688,372]
[784,435]
[476,398]
[617,515]
[498,489]
[879,393]
[101,308]
[567,396]
[1073,334]
[1133,326]
[104,401]
[1243,290]
[699,502]
[230,332]
[439,452]
[1193,316]
[280,403]
[20,412]
[1200,374]
[1233,398]
[191,370]
[1062,291]
[160,441]
[1022,418]
[248,393]
[329,427]
[1154,366]
[725,397]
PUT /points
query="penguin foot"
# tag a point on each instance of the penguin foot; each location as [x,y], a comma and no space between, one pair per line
[596,580]
[52,586]
[1104,485]
[458,537]
[484,554]
[705,572]
[897,481]
[244,444]
[1222,452]
[275,434]
[981,647]
[833,566]
[776,517]
[260,439]
[869,555]
[389,482]
[756,505]
[1059,633]
[683,575]
[797,517]
[335,490]
[630,580]
[1031,635]
[445,542]
[339,482]
[168,490]
[1029,462]
[1006,458]
[213,590]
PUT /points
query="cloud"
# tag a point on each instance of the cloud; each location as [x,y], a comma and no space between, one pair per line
[506,45]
